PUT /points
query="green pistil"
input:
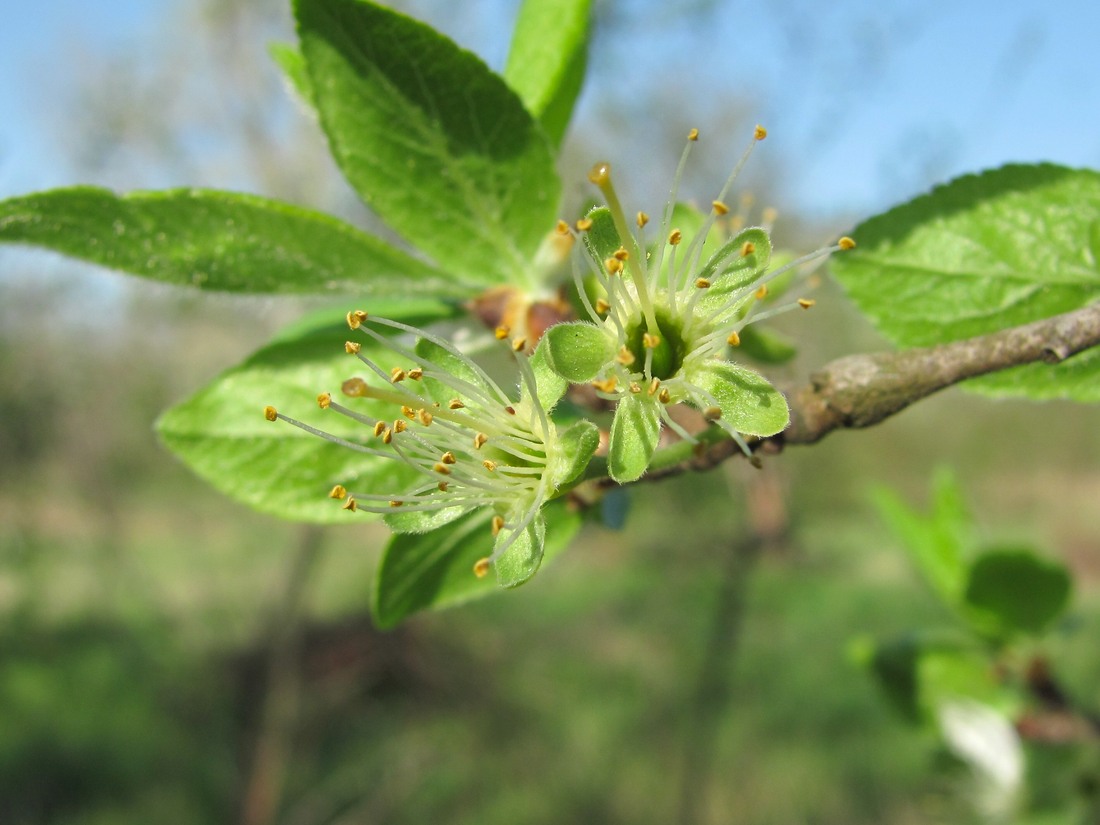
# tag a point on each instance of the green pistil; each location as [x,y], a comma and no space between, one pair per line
[668,355]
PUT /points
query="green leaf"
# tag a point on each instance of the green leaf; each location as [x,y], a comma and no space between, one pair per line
[748,402]
[435,570]
[634,433]
[431,139]
[523,557]
[549,386]
[578,351]
[983,253]
[936,542]
[293,66]
[219,241]
[602,238]
[1015,591]
[546,63]
[221,434]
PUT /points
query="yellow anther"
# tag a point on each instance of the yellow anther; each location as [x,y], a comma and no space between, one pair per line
[635,387]
[442,468]
[624,356]
[600,173]
[762,293]
[354,388]
[712,413]
[409,412]
[502,332]
[443,485]
[324,400]
[664,396]
[519,343]
[489,465]
[759,133]
[424,417]
[497,524]
[621,253]
[399,425]
[455,404]
[606,385]
[734,340]
[448,458]
[806,303]
[356,318]
[675,236]
[769,215]
[481,568]
[602,306]
[613,266]
[735,223]
[352,348]
[510,410]
[397,375]
[562,228]
[270,413]
[720,208]
[702,283]
[387,435]
[846,243]
[339,492]
[379,427]
[416,373]
[651,341]
[395,503]
[351,505]
[583,224]
[747,248]
[479,440]
[654,385]
[642,219]
[693,135]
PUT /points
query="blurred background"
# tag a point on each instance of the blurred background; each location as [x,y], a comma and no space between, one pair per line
[167,655]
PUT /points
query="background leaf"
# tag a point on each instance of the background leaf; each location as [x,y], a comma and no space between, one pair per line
[546,63]
[432,140]
[983,253]
[219,241]
[221,433]
[1016,591]
[293,66]
[435,570]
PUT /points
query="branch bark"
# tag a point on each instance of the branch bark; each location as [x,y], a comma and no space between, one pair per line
[863,390]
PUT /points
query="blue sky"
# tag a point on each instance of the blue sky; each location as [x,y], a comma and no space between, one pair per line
[867,103]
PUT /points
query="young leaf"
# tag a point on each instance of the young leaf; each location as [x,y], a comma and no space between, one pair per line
[523,557]
[547,60]
[1015,591]
[221,434]
[435,570]
[293,66]
[219,241]
[983,253]
[432,140]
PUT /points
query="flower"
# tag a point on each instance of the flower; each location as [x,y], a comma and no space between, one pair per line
[663,317]
[462,442]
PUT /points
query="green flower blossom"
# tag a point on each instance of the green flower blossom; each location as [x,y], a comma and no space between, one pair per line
[459,441]
[663,318]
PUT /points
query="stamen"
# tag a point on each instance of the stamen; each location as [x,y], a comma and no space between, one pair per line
[602,306]
[270,413]
[481,568]
[350,505]
[502,332]
[489,465]
[497,525]
[424,417]
[625,356]
[399,426]
[447,458]
[654,385]
[379,428]
[584,224]
[762,292]
[324,400]
[642,219]
[479,440]
[352,348]
[455,404]
[664,396]
[806,303]
[338,492]
[712,413]
[675,236]
[355,318]
[720,208]
[702,283]
[734,339]
[846,243]
[562,228]
[442,468]
[650,341]
[747,248]
[607,385]
[416,373]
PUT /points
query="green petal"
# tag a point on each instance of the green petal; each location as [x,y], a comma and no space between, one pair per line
[549,386]
[634,434]
[749,403]
[522,559]
[578,351]
[420,521]
[578,445]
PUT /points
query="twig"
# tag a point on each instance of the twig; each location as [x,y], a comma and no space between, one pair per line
[863,390]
